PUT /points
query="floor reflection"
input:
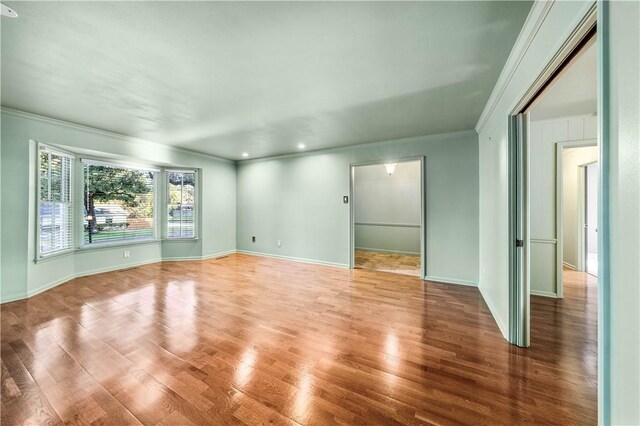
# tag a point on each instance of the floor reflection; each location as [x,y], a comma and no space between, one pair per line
[253,340]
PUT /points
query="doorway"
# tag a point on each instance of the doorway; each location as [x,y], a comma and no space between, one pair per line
[387,217]
[535,259]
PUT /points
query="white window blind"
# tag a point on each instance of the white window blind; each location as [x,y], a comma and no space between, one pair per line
[119,203]
[181,203]
[55,203]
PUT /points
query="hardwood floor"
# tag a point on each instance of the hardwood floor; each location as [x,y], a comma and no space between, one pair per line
[249,340]
[388,262]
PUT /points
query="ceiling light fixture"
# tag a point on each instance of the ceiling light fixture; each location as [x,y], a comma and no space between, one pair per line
[7,11]
[245,154]
[301,146]
[390,168]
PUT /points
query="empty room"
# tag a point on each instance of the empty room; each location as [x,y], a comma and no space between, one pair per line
[320,213]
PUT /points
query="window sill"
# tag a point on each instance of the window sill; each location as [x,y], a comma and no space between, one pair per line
[112,245]
[53,256]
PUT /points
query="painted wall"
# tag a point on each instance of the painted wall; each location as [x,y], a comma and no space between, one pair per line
[619,371]
[298,200]
[528,58]
[572,200]
[623,307]
[387,208]
[544,137]
[22,277]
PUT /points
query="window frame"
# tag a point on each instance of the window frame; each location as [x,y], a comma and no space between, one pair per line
[39,256]
[109,162]
[196,204]
[76,192]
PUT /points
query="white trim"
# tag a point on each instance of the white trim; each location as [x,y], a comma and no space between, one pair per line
[295,259]
[543,241]
[543,293]
[376,250]
[70,277]
[534,21]
[494,313]
[446,280]
[75,126]
[395,225]
[203,257]
[569,265]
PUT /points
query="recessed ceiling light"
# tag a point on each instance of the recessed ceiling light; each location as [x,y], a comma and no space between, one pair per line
[301,146]
[7,11]
[245,154]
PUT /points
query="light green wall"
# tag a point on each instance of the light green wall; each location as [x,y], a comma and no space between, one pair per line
[298,200]
[22,277]
[623,78]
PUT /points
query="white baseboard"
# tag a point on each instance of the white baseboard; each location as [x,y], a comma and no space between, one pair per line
[446,280]
[501,326]
[203,257]
[295,259]
[375,250]
[50,285]
[570,266]
[543,293]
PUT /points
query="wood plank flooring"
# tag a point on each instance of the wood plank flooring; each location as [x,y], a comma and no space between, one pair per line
[388,262]
[250,340]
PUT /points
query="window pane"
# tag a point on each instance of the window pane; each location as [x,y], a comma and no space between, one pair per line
[181,197]
[56,204]
[118,203]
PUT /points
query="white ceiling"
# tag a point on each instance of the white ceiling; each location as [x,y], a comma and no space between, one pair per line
[227,77]
[574,93]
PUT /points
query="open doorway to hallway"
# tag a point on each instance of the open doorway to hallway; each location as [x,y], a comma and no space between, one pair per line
[563,148]
[559,218]
[387,217]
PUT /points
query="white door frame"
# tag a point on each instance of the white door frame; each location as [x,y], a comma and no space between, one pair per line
[518,203]
[582,199]
[560,147]
[423,208]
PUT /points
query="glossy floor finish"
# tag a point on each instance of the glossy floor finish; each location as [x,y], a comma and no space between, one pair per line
[388,262]
[249,340]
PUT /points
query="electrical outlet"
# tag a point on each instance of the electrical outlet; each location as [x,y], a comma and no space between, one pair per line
[126,254]
[253,239]
[279,243]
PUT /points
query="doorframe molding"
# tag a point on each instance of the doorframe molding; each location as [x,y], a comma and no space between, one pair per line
[582,200]
[560,147]
[423,207]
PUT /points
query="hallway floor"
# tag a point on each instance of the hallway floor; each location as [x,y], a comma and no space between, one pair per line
[388,262]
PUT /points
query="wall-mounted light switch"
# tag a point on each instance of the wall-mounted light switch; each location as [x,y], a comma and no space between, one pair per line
[345,199]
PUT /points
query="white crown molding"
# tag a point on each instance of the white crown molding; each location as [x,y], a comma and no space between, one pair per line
[535,19]
[106,133]
[364,145]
